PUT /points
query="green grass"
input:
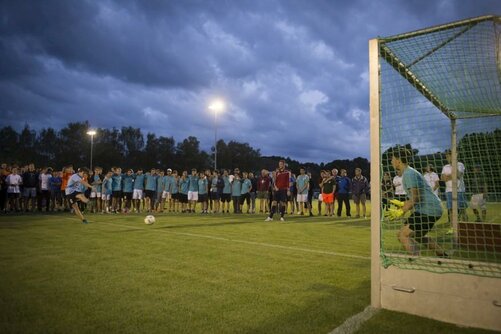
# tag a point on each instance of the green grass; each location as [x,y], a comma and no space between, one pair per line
[187,274]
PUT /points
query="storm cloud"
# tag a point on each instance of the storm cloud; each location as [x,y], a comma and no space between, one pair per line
[294,74]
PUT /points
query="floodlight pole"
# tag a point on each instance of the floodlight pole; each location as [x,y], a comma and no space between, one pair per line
[91,149]
[215,139]
[91,133]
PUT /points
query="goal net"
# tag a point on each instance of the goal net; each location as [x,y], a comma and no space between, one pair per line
[440,99]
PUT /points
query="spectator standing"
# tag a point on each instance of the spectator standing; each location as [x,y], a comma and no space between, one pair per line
[30,187]
[400,193]
[478,188]
[386,190]
[328,189]
[253,192]
[447,178]
[14,182]
[263,186]
[303,186]
[432,179]
[137,192]
[44,187]
[359,191]
[343,194]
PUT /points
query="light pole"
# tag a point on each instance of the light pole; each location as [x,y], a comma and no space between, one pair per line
[91,133]
[217,106]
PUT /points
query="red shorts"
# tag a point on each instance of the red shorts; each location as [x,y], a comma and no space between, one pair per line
[328,198]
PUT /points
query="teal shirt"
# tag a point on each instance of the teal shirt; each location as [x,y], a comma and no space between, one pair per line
[151,182]
[139,182]
[128,182]
[302,180]
[429,203]
[227,185]
[117,182]
[202,186]
[246,186]
[236,187]
[160,183]
[184,185]
[168,183]
[99,186]
[193,183]
[174,186]
[107,186]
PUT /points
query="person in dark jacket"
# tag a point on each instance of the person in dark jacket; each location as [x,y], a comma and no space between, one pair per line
[343,194]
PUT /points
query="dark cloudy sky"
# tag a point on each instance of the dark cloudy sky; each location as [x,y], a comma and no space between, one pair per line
[293,73]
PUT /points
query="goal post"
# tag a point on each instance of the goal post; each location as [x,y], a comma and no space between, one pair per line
[436,94]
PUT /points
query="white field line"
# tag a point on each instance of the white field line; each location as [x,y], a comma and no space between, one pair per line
[263,244]
[352,324]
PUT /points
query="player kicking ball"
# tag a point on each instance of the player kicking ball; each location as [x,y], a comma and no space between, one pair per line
[75,192]
[423,204]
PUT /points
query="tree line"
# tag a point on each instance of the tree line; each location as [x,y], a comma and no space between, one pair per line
[128,147]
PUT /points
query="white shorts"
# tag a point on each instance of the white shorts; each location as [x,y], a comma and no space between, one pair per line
[94,194]
[106,197]
[166,195]
[302,198]
[192,195]
[478,202]
[137,194]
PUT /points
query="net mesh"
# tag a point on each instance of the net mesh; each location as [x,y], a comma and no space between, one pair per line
[432,83]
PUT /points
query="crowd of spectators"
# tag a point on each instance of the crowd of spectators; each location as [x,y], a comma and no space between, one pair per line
[31,189]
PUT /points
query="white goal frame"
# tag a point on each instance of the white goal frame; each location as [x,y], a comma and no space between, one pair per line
[461,299]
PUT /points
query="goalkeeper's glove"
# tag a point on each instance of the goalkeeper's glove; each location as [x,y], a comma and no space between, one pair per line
[397,203]
[393,214]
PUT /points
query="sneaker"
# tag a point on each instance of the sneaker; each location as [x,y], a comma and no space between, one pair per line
[268,219]
[282,219]
[85,221]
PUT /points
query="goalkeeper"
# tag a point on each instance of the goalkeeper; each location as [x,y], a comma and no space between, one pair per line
[423,204]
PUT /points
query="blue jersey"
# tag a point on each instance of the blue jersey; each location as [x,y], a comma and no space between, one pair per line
[107,186]
[117,182]
[246,186]
[193,182]
[184,186]
[213,185]
[174,186]
[160,183]
[166,182]
[55,183]
[429,203]
[151,182]
[227,185]
[74,185]
[202,186]
[98,187]
[344,185]
[139,181]
[236,187]
[128,182]
[302,181]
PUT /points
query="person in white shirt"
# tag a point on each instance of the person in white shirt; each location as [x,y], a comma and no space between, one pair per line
[446,176]
[13,182]
[44,178]
[432,179]
[400,193]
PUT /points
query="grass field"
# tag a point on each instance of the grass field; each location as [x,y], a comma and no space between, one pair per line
[189,274]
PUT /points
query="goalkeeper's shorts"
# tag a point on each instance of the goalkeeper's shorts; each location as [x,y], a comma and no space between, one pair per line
[421,224]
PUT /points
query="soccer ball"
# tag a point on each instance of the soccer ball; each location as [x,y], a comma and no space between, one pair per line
[149,219]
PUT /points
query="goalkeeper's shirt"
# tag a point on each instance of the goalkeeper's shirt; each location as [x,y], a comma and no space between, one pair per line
[429,203]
